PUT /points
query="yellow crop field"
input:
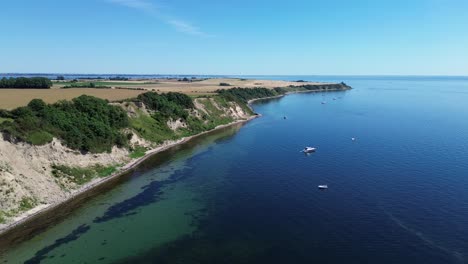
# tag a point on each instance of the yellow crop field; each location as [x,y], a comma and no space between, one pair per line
[12,98]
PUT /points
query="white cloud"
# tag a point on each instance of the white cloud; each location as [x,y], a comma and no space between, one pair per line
[185,27]
[153,9]
[137,4]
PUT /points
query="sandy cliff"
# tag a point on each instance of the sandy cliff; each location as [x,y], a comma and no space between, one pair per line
[27,182]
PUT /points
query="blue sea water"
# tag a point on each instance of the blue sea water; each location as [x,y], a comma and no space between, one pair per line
[397,194]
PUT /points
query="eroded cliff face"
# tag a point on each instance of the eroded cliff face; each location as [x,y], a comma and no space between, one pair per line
[27,177]
[212,107]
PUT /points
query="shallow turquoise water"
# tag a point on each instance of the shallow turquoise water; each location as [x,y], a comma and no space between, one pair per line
[246,195]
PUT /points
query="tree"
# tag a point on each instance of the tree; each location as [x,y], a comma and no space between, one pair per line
[23,83]
[37,105]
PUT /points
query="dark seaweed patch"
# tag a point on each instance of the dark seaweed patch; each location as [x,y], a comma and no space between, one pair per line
[151,193]
[121,209]
[74,235]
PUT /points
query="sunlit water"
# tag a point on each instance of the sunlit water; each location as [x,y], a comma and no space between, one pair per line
[397,194]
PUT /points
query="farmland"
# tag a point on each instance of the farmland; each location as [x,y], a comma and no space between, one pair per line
[118,90]
[12,98]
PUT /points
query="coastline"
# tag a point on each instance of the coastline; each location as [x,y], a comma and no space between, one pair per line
[41,210]
[30,215]
[249,102]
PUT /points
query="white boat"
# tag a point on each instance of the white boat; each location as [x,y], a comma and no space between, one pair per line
[323,187]
[353,139]
[308,149]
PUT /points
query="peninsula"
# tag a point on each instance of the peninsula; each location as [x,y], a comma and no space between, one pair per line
[79,134]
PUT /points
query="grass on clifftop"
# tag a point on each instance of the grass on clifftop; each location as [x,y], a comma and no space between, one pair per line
[151,129]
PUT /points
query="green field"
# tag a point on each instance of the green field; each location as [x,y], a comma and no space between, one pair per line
[101,83]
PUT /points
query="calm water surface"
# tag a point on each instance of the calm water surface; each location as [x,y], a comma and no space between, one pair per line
[397,194]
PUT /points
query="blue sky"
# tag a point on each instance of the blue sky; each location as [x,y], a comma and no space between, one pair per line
[291,37]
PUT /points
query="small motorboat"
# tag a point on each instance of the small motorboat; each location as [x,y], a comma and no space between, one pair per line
[309,150]
[353,139]
[323,187]
[323,102]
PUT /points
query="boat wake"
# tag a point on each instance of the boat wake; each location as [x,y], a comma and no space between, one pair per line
[458,256]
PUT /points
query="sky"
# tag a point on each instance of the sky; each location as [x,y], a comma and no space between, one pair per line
[238,37]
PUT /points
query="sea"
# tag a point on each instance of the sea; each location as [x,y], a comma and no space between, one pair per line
[397,193]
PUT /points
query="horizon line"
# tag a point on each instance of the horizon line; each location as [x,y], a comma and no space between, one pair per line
[227,75]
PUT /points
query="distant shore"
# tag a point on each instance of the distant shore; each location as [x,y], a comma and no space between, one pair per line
[294,92]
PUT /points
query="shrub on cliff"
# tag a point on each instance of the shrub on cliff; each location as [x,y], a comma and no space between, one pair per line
[86,123]
[167,105]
